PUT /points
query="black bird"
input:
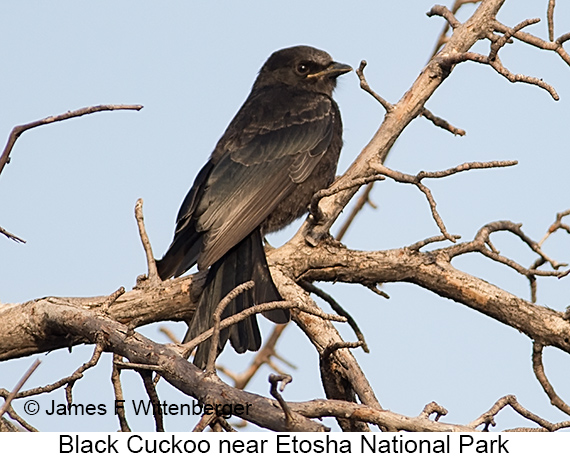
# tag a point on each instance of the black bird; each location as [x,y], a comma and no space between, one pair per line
[281,147]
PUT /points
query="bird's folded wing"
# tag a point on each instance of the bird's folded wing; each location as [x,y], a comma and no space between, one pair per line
[252,177]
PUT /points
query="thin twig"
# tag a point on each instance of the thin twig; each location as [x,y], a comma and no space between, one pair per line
[439,10]
[434,239]
[284,380]
[432,408]
[11,236]
[310,287]
[538,369]
[263,356]
[78,374]
[550,19]
[151,264]
[18,386]
[112,299]
[204,421]
[238,290]
[510,400]
[481,240]
[154,400]
[443,35]
[19,129]
[318,196]
[190,345]
[137,366]
[442,123]
[366,87]
[416,180]
[362,200]
[556,225]
[329,350]
[119,397]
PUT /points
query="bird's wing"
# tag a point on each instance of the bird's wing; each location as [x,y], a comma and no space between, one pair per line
[259,169]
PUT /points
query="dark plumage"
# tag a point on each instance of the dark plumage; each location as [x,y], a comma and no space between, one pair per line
[281,147]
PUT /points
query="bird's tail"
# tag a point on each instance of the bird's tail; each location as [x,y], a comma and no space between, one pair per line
[244,262]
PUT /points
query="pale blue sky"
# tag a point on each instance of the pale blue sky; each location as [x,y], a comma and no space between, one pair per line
[71,187]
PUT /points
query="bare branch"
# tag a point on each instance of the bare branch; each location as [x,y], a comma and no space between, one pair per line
[238,290]
[112,299]
[78,374]
[366,87]
[439,10]
[416,180]
[510,400]
[443,38]
[284,380]
[314,206]
[362,200]
[502,41]
[550,19]
[309,287]
[119,397]
[154,400]
[432,408]
[442,123]
[68,380]
[262,356]
[481,240]
[557,224]
[555,46]
[538,369]
[18,386]
[19,129]
[151,263]
[11,236]
[256,310]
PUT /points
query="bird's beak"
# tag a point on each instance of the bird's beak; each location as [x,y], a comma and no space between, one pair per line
[334,70]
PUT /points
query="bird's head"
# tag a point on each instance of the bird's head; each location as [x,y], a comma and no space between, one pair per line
[302,67]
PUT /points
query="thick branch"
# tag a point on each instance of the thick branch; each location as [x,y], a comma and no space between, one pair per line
[410,106]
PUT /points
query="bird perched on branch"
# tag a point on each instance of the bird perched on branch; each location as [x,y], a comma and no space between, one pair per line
[281,147]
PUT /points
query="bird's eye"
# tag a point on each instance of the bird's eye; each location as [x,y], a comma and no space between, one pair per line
[302,69]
